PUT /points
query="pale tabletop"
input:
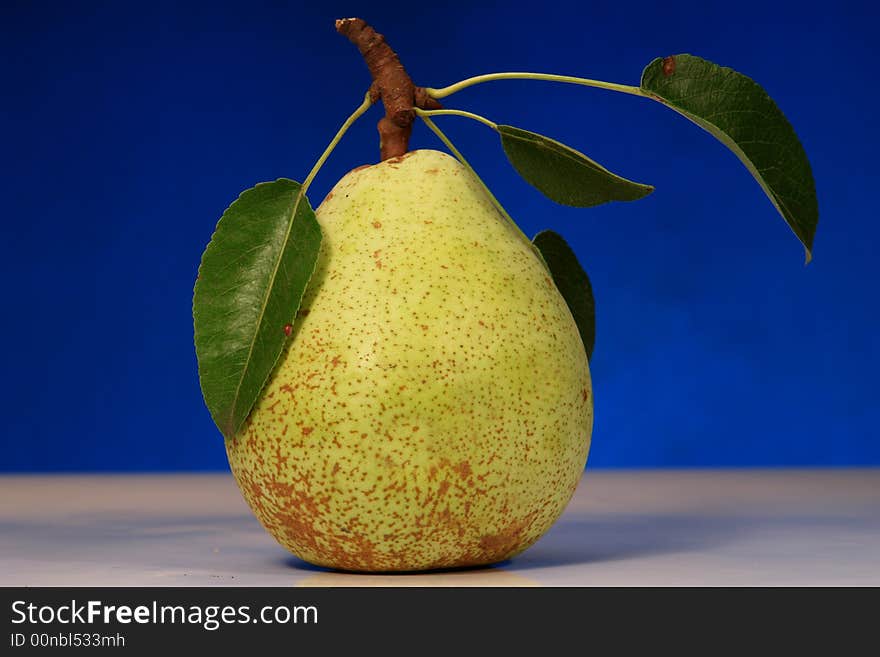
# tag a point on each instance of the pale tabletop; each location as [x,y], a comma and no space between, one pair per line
[623,528]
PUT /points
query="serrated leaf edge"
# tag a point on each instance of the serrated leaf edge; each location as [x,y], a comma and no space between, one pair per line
[230,428]
[587,350]
[729,142]
[574,155]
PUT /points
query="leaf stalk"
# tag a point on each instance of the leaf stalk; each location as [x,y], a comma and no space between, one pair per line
[363,107]
[443,92]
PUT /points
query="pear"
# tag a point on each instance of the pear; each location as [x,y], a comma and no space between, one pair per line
[433,407]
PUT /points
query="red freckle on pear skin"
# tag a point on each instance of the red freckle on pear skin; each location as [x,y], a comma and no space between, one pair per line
[377,224]
[307,430]
[668,66]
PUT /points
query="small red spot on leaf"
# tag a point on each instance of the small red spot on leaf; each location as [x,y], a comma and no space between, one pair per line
[668,66]
[287,329]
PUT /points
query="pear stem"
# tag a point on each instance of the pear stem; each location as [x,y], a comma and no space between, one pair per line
[391,83]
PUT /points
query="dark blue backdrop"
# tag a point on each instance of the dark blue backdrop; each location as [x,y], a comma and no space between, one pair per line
[127,128]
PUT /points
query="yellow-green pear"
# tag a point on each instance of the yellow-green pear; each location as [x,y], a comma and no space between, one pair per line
[433,407]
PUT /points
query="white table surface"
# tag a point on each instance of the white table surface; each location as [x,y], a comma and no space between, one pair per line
[623,528]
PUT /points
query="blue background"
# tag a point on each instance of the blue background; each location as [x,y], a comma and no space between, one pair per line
[127,128]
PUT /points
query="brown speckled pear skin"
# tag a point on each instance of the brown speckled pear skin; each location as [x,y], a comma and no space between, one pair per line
[433,407]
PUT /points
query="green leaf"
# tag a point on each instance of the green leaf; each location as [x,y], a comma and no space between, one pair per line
[563,174]
[572,282]
[736,110]
[251,281]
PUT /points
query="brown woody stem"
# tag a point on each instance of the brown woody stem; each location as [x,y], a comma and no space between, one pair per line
[391,83]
